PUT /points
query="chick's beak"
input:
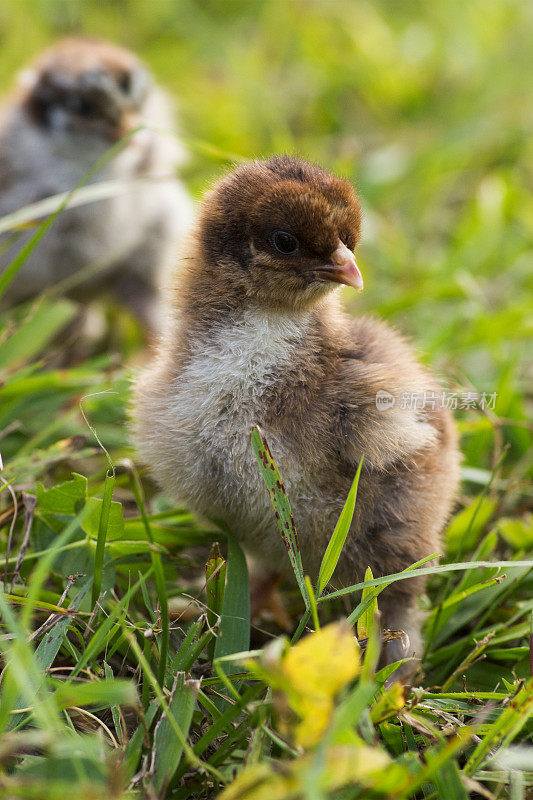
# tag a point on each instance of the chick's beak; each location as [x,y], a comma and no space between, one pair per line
[343,268]
[129,123]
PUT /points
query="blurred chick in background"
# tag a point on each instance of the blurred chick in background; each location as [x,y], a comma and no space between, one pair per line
[77,100]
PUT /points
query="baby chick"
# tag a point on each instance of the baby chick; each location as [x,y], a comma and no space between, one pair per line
[258,337]
[72,105]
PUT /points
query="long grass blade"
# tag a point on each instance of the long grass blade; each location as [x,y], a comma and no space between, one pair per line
[336,543]
[215,582]
[182,739]
[410,573]
[101,540]
[234,629]
[159,574]
[280,504]
[168,749]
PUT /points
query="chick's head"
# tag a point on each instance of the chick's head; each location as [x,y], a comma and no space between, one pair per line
[284,230]
[87,86]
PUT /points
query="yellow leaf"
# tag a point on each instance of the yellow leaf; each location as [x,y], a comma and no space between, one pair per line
[389,703]
[306,678]
[344,765]
[323,662]
[315,714]
[260,782]
[315,669]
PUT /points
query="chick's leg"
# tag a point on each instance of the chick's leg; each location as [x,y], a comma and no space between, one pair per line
[400,613]
[265,596]
[389,551]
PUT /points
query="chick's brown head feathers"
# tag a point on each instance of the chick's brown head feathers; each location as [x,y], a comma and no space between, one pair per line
[283,231]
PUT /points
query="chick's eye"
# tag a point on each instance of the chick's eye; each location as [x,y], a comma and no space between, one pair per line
[285,243]
[80,105]
[125,82]
[86,108]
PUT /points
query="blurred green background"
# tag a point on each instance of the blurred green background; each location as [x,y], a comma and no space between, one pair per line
[426,107]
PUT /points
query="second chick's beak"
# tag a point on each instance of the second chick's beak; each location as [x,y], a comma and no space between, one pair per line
[343,268]
[129,121]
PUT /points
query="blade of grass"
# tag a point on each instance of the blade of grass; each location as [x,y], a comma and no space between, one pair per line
[503,731]
[101,540]
[168,749]
[191,757]
[446,590]
[281,506]
[132,752]
[103,190]
[215,582]
[234,629]
[145,689]
[187,659]
[115,707]
[225,720]
[447,781]
[100,638]
[49,645]
[190,640]
[157,566]
[410,573]
[105,692]
[312,602]
[223,723]
[44,565]
[336,543]
[33,333]
[103,522]
[26,673]
[301,626]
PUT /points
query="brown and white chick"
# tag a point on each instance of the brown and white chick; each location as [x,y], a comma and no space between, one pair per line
[258,337]
[77,100]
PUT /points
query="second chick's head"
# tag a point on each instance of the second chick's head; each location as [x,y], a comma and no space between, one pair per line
[89,87]
[283,230]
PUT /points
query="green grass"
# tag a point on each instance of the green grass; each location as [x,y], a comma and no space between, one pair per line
[116,681]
